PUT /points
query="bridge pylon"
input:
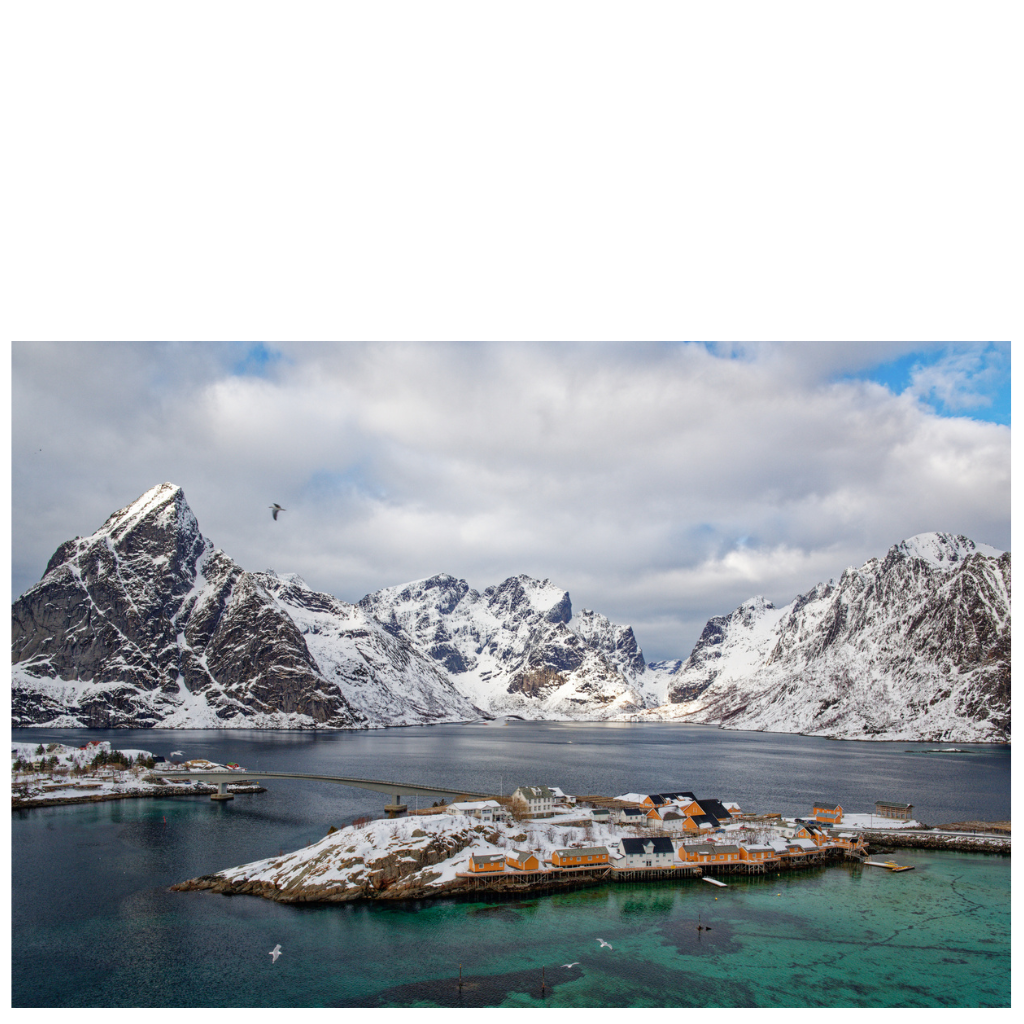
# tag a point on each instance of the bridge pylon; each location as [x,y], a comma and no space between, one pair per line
[397,809]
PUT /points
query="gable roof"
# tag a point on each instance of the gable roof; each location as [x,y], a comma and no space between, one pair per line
[661,844]
[583,851]
[486,858]
[710,806]
[827,805]
[706,819]
[535,792]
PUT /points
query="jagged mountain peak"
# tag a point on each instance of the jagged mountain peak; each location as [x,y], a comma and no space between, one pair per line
[145,624]
[942,550]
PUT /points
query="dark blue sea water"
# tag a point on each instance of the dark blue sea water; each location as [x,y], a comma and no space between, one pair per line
[94,923]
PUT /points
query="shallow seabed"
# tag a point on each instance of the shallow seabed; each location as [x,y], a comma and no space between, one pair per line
[845,936]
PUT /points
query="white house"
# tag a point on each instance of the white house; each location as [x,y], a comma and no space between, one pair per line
[483,810]
[534,800]
[647,853]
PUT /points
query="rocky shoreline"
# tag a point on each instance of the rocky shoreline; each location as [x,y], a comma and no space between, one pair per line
[879,841]
[22,803]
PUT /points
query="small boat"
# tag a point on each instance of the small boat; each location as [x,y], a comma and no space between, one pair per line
[890,864]
[713,881]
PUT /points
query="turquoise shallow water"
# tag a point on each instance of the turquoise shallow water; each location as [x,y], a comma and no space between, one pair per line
[94,923]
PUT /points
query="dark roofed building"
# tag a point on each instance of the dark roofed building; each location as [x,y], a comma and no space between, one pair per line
[714,807]
[647,853]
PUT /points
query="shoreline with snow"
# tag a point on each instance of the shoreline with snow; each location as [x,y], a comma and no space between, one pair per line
[59,776]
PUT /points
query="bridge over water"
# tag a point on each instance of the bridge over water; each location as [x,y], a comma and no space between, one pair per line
[223,776]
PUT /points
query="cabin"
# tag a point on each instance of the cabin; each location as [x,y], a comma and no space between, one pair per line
[522,860]
[482,863]
[647,853]
[757,853]
[828,811]
[733,808]
[482,810]
[714,808]
[701,823]
[889,810]
[580,857]
[689,807]
[655,800]
[810,830]
[632,816]
[600,814]
[562,798]
[673,821]
[709,853]
[799,847]
[534,800]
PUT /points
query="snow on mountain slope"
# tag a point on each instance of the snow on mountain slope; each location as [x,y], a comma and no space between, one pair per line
[517,648]
[145,624]
[913,646]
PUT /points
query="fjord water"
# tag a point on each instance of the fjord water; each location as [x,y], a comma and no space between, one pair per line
[94,923]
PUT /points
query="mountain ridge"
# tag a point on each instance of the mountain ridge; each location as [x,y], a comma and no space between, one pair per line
[146,623]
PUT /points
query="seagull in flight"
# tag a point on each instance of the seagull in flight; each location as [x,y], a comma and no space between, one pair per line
[575,963]
[275,952]
[603,944]
[275,508]
[177,753]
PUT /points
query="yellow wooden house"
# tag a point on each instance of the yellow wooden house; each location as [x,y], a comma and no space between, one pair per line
[482,863]
[827,811]
[580,857]
[522,860]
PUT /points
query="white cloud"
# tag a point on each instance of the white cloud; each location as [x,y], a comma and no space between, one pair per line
[660,484]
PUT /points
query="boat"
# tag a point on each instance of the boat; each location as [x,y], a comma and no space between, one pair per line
[713,881]
[890,864]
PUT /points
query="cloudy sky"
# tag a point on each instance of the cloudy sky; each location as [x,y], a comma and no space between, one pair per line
[659,484]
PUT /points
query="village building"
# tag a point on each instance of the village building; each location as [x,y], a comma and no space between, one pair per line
[580,856]
[534,801]
[673,821]
[714,808]
[709,853]
[522,860]
[631,816]
[828,811]
[757,853]
[646,853]
[562,798]
[481,863]
[482,810]
[810,830]
[885,809]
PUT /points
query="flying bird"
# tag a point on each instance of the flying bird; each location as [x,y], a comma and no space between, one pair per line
[275,508]
[575,963]
[275,952]
[603,944]
[177,753]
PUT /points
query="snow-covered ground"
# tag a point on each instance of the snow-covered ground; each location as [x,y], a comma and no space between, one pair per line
[58,782]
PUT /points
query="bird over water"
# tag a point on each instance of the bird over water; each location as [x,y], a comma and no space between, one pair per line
[275,952]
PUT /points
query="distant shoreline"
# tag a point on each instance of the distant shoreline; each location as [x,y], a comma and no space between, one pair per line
[19,804]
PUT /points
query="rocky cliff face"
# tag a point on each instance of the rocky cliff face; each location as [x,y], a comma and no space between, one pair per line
[144,623]
[912,646]
[517,648]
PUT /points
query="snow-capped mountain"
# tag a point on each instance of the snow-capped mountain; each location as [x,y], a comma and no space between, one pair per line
[912,646]
[517,648]
[144,623]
